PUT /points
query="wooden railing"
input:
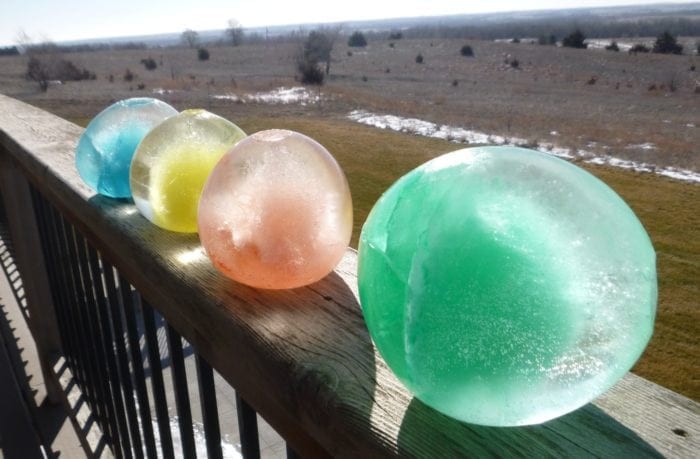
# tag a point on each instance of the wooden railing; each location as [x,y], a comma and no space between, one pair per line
[302,359]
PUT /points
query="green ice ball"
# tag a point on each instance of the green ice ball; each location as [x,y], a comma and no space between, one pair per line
[504,286]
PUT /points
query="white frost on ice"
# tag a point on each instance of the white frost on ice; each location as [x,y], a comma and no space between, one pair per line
[467,136]
[282,95]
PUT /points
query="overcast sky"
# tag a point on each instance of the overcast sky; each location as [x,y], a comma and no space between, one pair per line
[60,20]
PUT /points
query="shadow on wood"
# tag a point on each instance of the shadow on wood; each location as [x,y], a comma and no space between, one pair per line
[588,431]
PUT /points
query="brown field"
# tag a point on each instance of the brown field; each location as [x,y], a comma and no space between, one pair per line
[548,92]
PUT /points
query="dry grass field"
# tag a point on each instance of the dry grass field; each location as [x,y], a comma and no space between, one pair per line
[548,98]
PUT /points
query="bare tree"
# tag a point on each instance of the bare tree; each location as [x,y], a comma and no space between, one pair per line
[318,46]
[190,38]
[234,32]
[23,40]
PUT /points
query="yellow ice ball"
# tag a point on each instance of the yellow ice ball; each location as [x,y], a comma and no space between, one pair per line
[173,162]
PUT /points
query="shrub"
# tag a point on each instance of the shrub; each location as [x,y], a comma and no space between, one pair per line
[467,51]
[149,63]
[43,71]
[317,48]
[575,40]
[697,48]
[364,78]
[203,54]
[396,35]
[515,40]
[141,86]
[667,44]
[37,71]
[419,59]
[455,83]
[128,75]
[310,72]
[357,40]
[391,45]
[613,47]
[349,53]
[638,48]
[67,71]
[514,63]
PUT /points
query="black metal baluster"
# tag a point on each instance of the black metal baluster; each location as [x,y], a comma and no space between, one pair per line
[51,258]
[90,312]
[108,343]
[122,358]
[291,454]
[161,403]
[247,428]
[85,349]
[210,411]
[137,363]
[182,398]
[60,258]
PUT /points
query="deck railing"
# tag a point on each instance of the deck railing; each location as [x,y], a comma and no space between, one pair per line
[101,283]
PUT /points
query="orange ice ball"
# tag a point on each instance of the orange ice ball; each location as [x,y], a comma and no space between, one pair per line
[276,211]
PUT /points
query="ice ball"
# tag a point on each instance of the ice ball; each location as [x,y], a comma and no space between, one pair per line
[504,286]
[172,163]
[276,212]
[107,145]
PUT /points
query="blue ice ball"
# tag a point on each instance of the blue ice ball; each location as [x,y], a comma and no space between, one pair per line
[105,149]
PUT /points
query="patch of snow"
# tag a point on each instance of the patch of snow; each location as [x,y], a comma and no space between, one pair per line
[429,129]
[228,449]
[232,97]
[553,133]
[466,136]
[601,44]
[282,95]
[672,172]
[162,91]
[642,146]
[690,125]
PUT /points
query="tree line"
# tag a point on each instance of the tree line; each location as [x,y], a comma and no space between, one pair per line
[595,27]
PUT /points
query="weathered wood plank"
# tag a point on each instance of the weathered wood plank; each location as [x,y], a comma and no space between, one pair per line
[303,358]
[14,191]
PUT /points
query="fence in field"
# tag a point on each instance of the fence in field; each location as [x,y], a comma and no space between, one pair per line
[102,284]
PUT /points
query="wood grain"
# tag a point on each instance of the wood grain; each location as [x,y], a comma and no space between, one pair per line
[303,358]
[14,192]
